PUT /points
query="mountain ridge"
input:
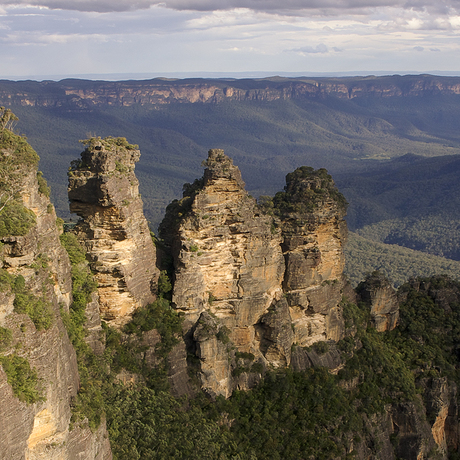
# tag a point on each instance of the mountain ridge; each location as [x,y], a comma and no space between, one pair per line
[84,94]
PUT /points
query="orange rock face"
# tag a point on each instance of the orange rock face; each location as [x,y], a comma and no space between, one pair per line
[103,191]
[272,277]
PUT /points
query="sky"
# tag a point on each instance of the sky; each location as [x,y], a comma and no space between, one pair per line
[55,39]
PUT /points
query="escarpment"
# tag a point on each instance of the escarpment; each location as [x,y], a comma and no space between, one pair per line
[81,95]
[270,276]
[104,193]
[38,373]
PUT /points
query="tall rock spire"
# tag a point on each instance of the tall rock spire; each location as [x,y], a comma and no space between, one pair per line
[311,212]
[104,192]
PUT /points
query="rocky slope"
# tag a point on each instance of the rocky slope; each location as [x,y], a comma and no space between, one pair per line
[83,95]
[104,193]
[35,402]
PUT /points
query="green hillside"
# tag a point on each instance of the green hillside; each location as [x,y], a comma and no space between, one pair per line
[363,256]
[265,139]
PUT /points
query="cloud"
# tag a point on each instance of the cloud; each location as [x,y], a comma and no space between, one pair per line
[418,48]
[321,48]
[99,6]
[324,6]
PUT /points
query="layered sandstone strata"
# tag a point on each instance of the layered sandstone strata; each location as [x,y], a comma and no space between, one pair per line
[84,95]
[228,263]
[262,277]
[104,192]
[311,213]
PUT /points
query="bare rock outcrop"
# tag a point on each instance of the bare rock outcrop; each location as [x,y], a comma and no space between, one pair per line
[270,274]
[103,191]
[311,212]
[377,292]
[227,258]
[441,404]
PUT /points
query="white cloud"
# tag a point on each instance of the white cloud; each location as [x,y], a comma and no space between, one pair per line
[232,35]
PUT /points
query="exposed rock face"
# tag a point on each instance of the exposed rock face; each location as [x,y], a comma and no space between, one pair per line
[274,332]
[84,95]
[41,430]
[377,292]
[311,212]
[229,263]
[213,353]
[412,432]
[227,259]
[441,406]
[103,191]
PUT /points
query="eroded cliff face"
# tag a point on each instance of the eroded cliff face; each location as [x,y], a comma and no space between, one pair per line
[250,278]
[314,232]
[82,95]
[104,193]
[38,271]
[228,263]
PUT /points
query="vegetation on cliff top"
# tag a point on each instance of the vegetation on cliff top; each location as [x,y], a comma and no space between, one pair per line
[17,158]
[305,191]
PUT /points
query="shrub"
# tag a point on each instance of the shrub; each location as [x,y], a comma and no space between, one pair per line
[73,247]
[160,316]
[22,378]
[83,285]
[43,185]
[38,309]
[244,355]
[164,284]
[222,335]
[6,280]
[16,219]
[5,338]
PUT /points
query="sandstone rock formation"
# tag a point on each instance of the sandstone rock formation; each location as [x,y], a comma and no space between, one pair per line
[442,407]
[227,260]
[311,211]
[103,191]
[268,280]
[37,259]
[377,292]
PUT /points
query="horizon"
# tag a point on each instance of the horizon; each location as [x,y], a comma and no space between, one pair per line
[221,75]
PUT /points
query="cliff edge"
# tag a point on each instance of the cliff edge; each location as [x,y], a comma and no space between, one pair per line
[38,368]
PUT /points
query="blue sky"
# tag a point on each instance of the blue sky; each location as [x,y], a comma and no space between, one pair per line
[40,38]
